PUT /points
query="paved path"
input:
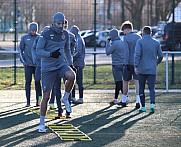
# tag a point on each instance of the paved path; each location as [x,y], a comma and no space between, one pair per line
[106,125]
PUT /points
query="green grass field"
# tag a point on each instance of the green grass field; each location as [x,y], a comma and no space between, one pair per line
[104,78]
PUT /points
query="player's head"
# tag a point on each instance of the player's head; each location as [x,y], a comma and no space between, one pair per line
[58,20]
[65,24]
[113,34]
[46,28]
[33,28]
[74,29]
[146,30]
[127,27]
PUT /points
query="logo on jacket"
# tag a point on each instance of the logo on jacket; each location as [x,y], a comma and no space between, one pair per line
[63,37]
[51,36]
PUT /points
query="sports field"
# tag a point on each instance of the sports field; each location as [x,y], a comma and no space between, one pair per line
[106,125]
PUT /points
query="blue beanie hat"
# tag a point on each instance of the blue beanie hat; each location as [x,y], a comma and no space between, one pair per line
[33,26]
[58,17]
[113,34]
[74,29]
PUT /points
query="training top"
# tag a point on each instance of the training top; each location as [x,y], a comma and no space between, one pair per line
[130,43]
[117,50]
[79,54]
[36,59]
[25,46]
[148,55]
[49,41]
[72,43]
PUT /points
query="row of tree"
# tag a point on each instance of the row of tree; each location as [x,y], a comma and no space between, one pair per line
[81,12]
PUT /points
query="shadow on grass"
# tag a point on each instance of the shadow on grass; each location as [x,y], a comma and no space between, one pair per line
[102,126]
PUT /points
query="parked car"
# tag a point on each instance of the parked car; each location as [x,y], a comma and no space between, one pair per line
[102,36]
[167,37]
[89,40]
[158,36]
[85,33]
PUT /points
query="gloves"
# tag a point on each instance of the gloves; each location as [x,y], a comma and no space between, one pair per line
[73,68]
[128,67]
[109,38]
[55,54]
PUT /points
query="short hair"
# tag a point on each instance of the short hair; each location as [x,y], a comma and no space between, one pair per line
[66,21]
[146,30]
[127,25]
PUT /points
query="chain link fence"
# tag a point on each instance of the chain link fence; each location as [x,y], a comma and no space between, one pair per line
[15,15]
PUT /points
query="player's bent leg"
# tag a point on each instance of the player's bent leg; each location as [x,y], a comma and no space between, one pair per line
[69,83]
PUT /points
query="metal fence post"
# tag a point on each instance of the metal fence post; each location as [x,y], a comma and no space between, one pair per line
[95,41]
[173,39]
[15,38]
[166,64]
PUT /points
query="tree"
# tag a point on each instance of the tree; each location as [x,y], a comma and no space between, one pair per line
[135,8]
[165,7]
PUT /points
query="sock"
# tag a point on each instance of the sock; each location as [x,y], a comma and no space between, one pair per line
[124,98]
[42,120]
[66,95]
[40,98]
[137,99]
[51,104]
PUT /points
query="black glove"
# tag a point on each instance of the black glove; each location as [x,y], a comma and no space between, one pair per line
[109,38]
[128,67]
[55,54]
[73,68]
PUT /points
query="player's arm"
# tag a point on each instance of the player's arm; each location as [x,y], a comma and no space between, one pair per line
[137,56]
[78,49]
[160,54]
[68,56]
[109,47]
[21,51]
[40,48]
[126,61]
[33,50]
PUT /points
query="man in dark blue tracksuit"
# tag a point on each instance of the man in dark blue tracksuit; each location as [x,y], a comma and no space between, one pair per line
[79,63]
[54,47]
[116,48]
[130,40]
[148,55]
[26,58]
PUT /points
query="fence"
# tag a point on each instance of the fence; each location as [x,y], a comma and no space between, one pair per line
[168,75]
[15,15]
[105,14]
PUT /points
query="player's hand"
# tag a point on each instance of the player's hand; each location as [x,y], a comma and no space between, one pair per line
[109,38]
[136,70]
[25,64]
[55,54]
[73,68]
